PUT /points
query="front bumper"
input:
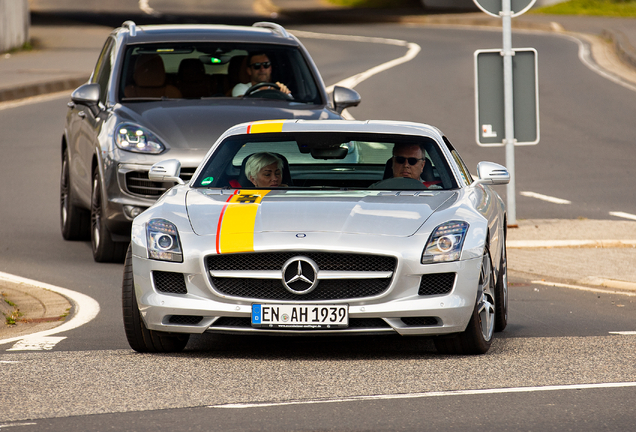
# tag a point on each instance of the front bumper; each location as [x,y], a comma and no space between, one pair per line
[399,310]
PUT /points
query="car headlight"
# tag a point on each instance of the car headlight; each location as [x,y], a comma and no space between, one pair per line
[137,139]
[445,243]
[163,241]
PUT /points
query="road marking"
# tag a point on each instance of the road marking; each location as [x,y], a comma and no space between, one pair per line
[623,215]
[34,99]
[30,343]
[624,333]
[86,309]
[582,288]
[585,55]
[545,198]
[412,50]
[432,394]
[16,424]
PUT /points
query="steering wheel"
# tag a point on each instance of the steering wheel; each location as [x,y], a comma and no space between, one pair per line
[271,93]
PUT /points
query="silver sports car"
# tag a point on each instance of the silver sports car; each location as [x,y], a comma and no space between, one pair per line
[282,231]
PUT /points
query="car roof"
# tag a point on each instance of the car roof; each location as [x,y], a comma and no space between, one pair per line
[258,33]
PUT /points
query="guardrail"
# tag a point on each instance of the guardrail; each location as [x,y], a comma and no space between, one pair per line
[14,24]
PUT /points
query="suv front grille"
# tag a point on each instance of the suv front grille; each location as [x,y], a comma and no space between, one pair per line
[138,183]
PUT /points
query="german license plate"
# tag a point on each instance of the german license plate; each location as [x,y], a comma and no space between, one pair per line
[300,316]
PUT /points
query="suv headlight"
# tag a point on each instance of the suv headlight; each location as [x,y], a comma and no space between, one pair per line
[445,243]
[137,139]
[163,241]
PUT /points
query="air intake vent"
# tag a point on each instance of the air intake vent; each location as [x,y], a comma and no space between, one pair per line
[420,321]
[436,284]
[185,320]
[169,282]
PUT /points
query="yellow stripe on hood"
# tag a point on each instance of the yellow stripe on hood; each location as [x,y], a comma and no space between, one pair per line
[236,230]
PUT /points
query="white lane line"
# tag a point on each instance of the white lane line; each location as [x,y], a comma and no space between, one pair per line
[412,50]
[34,99]
[585,55]
[582,288]
[545,198]
[433,394]
[85,308]
[623,215]
[624,333]
[16,424]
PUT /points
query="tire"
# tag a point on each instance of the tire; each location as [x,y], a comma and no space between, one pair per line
[74,221]
[477,337]
[501,292]
[104,248]
[139,337]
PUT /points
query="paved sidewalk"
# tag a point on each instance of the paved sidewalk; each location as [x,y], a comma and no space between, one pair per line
[581,252]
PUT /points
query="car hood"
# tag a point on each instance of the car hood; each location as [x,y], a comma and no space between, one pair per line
[357,212]
[191,125]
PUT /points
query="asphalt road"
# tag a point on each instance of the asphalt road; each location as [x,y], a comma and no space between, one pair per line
[556,337]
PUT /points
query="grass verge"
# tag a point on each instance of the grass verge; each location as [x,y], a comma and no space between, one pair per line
[617,8]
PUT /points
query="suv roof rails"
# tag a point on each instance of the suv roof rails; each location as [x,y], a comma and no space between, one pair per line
[277,28]
[131,26]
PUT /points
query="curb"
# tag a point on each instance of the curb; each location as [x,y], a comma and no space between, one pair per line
[622,47]
[40,309]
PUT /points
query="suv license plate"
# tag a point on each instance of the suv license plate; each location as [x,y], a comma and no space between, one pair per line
[300,316]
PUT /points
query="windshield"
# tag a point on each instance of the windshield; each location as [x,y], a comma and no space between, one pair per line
[214,70]
[326,160]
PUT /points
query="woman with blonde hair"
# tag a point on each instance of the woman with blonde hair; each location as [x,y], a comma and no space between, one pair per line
[265,170]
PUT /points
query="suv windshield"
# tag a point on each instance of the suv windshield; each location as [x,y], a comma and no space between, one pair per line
[211,70]
[323,160]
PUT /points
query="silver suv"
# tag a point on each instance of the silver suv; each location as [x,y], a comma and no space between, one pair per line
[165,92]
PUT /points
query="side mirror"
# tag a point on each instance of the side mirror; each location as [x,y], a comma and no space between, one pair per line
[87,94]
[167,170]
[491,173]
[344,98]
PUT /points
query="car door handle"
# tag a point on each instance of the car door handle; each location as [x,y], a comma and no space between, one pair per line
[82,114]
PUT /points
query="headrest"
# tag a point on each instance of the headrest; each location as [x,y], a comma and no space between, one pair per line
[149,71]
[237,69]
[191,70]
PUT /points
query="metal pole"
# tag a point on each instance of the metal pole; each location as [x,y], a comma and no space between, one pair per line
[506,15]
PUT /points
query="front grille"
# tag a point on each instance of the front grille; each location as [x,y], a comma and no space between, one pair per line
[325,260]
[420,321]
[353,322]
[138,183]
[273,289]
[185,319]
[169,282]
[436,284]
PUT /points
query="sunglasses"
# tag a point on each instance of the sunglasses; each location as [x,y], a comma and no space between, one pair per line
[401,159]
[257,66]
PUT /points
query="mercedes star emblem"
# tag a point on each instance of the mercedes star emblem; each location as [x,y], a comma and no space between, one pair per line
[300,275]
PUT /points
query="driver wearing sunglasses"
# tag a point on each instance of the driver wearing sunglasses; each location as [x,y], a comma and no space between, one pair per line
[259,69]
[408,161]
